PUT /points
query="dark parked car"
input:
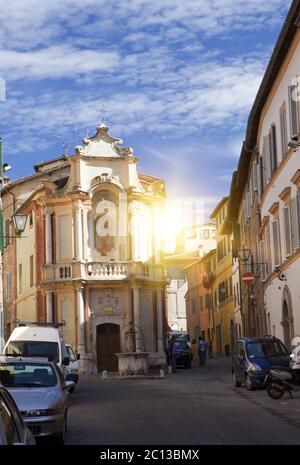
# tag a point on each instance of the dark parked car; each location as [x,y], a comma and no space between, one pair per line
[253,357]
[13,430]
[184,354]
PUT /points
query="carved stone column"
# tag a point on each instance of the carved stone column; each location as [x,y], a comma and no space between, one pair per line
[48,229]
[137,319]
[80,320]
[159,317]
[78,222]
[49,307]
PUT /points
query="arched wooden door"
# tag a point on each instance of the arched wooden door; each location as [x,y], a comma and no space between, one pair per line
[108,343]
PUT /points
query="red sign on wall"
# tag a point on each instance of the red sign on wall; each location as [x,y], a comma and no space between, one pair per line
[248,278]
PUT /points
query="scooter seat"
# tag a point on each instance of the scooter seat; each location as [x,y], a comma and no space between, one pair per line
[281,374]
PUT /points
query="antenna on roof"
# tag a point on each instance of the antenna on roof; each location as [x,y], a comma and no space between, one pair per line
[64,143]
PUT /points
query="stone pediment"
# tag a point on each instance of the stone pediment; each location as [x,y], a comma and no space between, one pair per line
[102,145]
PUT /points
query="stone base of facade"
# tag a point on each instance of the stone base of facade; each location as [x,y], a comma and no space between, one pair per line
[85,365]
[157,359]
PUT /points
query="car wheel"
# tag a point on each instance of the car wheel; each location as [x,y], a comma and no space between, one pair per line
[249,384]
[275,390]
[235,381]
[60,438]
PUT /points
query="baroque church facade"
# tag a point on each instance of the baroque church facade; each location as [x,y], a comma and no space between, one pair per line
[91,252]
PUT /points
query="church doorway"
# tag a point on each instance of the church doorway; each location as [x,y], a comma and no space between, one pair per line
[108,344]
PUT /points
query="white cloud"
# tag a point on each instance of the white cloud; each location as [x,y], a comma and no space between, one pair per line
[33,23]
[56,62]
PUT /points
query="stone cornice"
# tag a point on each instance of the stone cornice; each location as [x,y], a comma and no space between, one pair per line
[274,209]
[285,195]
[296,178]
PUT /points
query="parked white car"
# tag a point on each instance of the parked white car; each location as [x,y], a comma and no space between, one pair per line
[38,340]
[73,367]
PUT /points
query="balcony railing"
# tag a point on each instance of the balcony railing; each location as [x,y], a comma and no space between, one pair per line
[103,271]
[106,271]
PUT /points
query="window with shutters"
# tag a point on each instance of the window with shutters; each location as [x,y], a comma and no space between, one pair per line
[273,149]
[295,223]
[283,132]
[254,176]
[294,110]
[266,160]
[276,243]
[287,231]
[262,260]
[8,285]
[260,177]
[268,265]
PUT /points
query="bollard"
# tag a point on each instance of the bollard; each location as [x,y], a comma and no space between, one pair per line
[161,373]
[169,369]
[104,374]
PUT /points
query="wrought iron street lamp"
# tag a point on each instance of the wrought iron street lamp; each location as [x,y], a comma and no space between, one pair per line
[244,255]
[20,222]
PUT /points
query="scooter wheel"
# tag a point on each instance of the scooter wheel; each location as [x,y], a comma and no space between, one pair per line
[275,390]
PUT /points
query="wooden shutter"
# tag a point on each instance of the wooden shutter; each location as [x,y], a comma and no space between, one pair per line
[295,231]
[283,132]
[276,243]
[287,230]
[255,175]
[266,160]
[273,149]
[294,116]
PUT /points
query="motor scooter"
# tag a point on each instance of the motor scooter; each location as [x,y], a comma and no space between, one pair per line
[281,380]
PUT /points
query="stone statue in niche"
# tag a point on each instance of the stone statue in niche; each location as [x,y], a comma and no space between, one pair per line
[105,227]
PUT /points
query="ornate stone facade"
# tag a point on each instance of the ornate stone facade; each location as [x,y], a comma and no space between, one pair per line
[99,265]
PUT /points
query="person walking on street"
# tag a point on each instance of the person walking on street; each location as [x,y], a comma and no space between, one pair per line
[172,354]
[210,348]
[202,351]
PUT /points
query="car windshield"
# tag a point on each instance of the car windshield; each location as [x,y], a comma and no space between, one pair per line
[27,374]
[180,344]
[41,349]
[266,349]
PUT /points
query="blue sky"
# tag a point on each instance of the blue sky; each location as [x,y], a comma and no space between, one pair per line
[177,80]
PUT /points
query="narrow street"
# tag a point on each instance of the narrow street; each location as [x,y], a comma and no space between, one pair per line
[191,407]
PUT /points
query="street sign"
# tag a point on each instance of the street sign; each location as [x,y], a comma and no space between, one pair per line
[248,278]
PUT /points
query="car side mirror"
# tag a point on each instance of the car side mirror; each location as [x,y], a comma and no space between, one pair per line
[66,361]
[78,356]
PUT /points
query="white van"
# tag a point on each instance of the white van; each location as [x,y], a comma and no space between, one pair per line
[39,340]
[73,367]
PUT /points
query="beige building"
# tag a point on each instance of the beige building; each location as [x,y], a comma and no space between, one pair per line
[264,206]
[91,252]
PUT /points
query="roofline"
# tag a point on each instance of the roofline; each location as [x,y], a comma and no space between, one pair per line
[43,163]
[219,206]
[11,185]
[282,46]
[200,259]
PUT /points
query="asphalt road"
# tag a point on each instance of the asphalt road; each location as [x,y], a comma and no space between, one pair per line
[190,407]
